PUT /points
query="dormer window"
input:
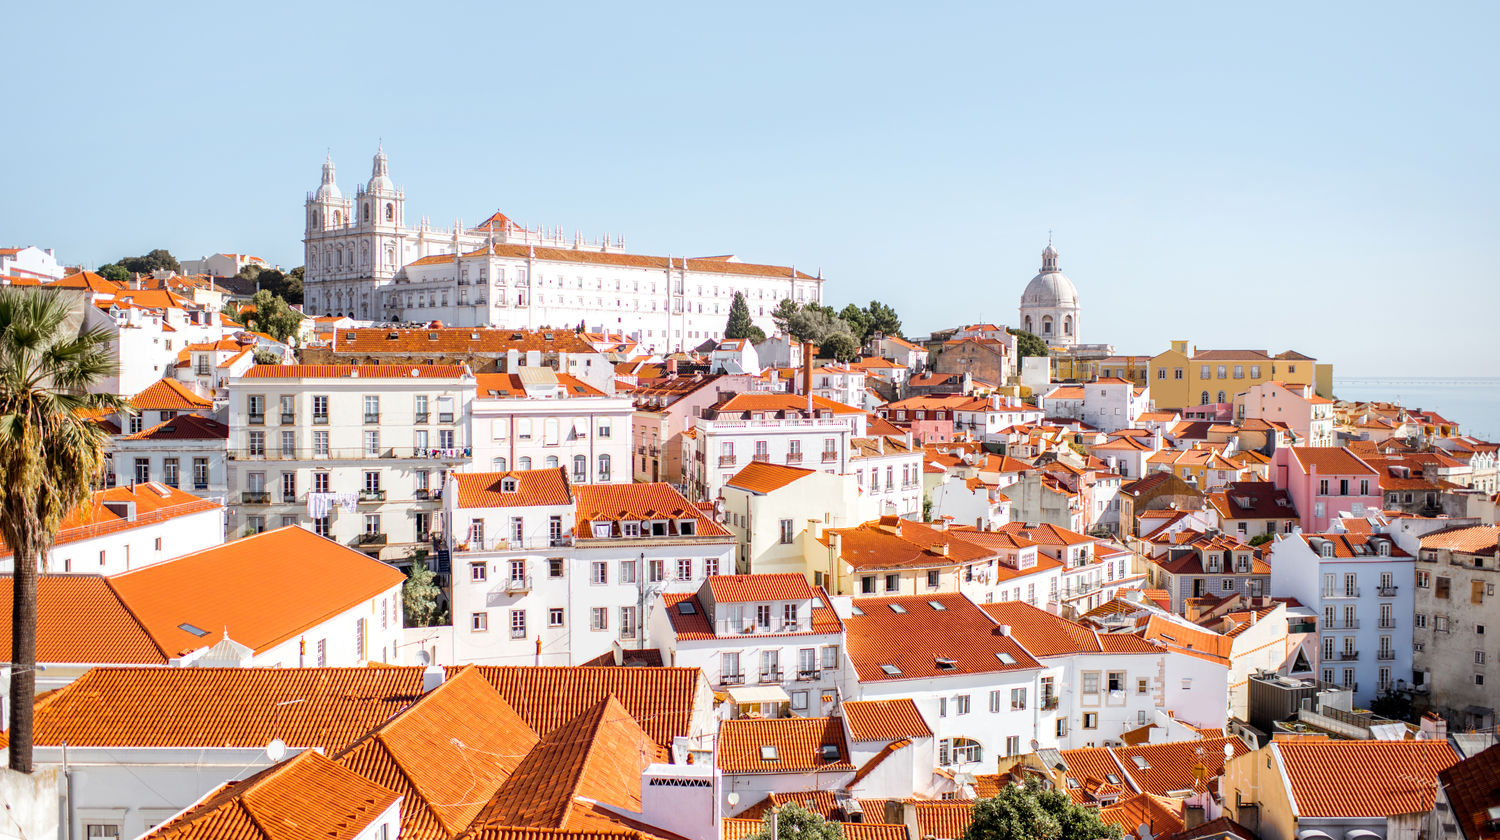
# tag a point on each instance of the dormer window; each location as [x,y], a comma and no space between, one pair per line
[630,529]
[1327,549]
[508,485]
[687,527]
[658,527]
[602,529]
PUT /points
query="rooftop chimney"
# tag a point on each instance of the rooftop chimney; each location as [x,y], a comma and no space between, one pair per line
[432,677]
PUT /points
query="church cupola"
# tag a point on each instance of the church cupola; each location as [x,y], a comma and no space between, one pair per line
[329,189]
[1049,259]
[380,178]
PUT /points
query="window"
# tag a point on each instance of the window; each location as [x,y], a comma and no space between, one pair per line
[1017,699]
[257,444]
[555,617]
[604,468]
[372,409]
[658,571]
[763,615]
[786,532]
[1142,686]
[932,578]
[1090,720]
[994,701]
[200,473]
[372,442]
[627,622]
[599,618]
[729,666]
[867,585]
[580,469]
[627,571]
[685,569]
[1115,680]
[892,583]
[961,704]
[599,572]
[1091,682]
[959,751]
[518,624]
[478,572]
[830,657]
[320,444]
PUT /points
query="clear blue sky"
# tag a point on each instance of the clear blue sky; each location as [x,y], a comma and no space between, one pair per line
[1316,176]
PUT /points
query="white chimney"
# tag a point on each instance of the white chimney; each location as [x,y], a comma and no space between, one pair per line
[432,677]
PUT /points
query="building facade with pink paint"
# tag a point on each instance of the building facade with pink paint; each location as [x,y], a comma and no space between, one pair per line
[1325,481]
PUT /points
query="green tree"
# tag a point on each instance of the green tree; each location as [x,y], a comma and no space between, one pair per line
[231,311]
[842,346]
[419,595]
[813,323]
[1028,344]
[50,457]
[272,316]
[883,319]
[266,357]
[1261,539]
[114,273]
[159,258]
[292,289]
[781,316]
[858,321]
[1032,812]
[794,822]
[1394,705]
[739,324]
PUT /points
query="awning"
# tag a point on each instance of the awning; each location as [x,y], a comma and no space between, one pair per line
[747,695]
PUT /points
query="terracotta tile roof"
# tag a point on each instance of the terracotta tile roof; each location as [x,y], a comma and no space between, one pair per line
[351,371]
[637,502]
[1353,545]
[884,720]
[1046,534]
[457,340]
[1042,633]
[1363,778]
[184,427]
[463,722]
[791,403]
[255,589]
[1223,827]
[303,798]
[920,641]
[170,395]
[1253,500]
[599,755]
[1476,539]
[154,502]
[1331,460]
[797,743]
[1092,763]
[1473,788]
[511,386]
[762,477]
[328,708]
[547,697]
[943,820]
[1162,816]
[81,619]
[887,545]
[764,587]
[533,488]
[1180,637]
[568,255]
[1170,766]
[88,280]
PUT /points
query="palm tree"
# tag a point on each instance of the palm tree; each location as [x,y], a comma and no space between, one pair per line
[51,456]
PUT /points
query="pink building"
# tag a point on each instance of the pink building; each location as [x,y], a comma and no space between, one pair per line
[1325,481]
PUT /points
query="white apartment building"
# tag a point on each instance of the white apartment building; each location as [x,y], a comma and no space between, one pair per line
[130,526]
[840,383]
[772,642]
[188,451]
[30,262]
[1362,586]
[776,511]
[365,261]
[549,573]
[1108,403]
[355,453]
[145,342]
[986,417]
[888,470]
[773,428]
[1092,573]
[536,418]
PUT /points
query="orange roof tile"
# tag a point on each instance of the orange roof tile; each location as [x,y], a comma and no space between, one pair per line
[781,402]
[360,371]
[921,641]
[762,477]
[328,708]
[255,589]
[943,819]
[81,619]
[303,798]
[532,488]
[546,697]
[639,502]
[1331,460]
[797,743]
[457,340]
[463,722]
[884,720]
[1042,633]
[1363,778]
[569,255]
[153,503]
[763,587]
[170,395]
[1468,540]
[1471,786]
[184,427]
[1170,766]
[1189,639]
[1162,816]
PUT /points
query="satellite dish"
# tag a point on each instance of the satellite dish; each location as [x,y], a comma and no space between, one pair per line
[1143,831]
[733,798]
[416,372]
[423,658]
[276,750]
[1035,745]
[1228,750]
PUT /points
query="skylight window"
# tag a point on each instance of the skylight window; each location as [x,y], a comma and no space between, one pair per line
[1005,658]
[890,670]
[897,608]
[686,608]
[768,753]
[196,631]
[946,664]
[1141,762]
[1112,778]
[936,605]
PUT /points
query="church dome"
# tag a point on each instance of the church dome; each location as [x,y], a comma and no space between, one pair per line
[380,179]
[329,189]
[1050,289]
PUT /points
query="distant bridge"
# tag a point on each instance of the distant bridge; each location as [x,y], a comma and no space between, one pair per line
[1477,382]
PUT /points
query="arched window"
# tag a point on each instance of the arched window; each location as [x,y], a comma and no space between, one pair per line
[523,462]
[497,465]
[580,468]
[364,254]
[1047,326]
[1028,323]
[338,218]
[1204,400]
[959,751]
[366,211]
[603,468]
[551,463]
[1221,397]
[1068,325]
[390,211]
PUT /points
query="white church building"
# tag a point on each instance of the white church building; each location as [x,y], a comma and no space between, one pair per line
[1049,306]
[364,261]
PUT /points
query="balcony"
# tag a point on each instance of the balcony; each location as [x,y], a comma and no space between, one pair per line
[1351,624]
[518,584]
[1386,591]
[368,495]
[197,485]
[770,676]
[761,458]
[320,419]
[372,417]
[1343,656]
[288,418]
[422,494]
[1342,593]
[255,497]
[419,417]
[794,457]
[288,498]
[809,676]
[371,539]
[726,460]
[830,457]
[256,418]
[445,417]
[1387,624]
[732,679]
[518,632]
[170,481]
[1386,656]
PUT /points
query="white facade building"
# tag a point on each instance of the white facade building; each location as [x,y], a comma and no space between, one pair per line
[221,265]
[356,453]
[1107,404]
[145,342]
[538,419]
[128,527]
[30,262]
[1049,306]
[775,428]
[550,573]
[364,260]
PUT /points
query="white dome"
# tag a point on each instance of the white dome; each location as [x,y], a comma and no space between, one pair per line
[1048,290]
[329,189]
[380,179]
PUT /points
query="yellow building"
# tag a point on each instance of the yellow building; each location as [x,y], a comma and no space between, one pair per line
[1180,379]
